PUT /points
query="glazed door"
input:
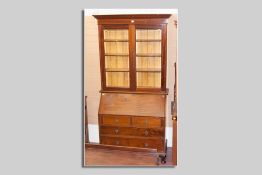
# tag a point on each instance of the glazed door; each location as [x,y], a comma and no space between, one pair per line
[150,57]
[115,43]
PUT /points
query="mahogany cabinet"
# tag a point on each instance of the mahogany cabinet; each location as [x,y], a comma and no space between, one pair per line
[133,51]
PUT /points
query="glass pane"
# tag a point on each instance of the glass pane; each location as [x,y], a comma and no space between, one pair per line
[148,34]
[148,58]
[116,62]
[117,79]
[116,34]
[148,48]
[148,62]
[148,79]
[117,48]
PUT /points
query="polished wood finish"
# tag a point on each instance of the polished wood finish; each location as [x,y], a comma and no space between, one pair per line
[132,62]
[132,131]
[138,92]
[148,122]
[132,120]
[115,120]
[107,155]
[132,104]
[132,23]
[132,16]
[133,142]
[132,19]
[121,148]
[164,55]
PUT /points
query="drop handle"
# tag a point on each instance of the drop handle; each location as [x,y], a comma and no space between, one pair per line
[146,133]
[117,142]
[116,120]
[145,144]
[116,131]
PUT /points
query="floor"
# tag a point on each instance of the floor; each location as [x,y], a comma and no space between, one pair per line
[106,157]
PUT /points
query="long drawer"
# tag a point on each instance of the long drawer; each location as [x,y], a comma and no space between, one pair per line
[134,142]
[132,131]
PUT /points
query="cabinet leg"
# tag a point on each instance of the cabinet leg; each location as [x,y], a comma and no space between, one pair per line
[162,158]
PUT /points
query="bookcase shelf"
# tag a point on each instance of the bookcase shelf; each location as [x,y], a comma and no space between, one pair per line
[133,55]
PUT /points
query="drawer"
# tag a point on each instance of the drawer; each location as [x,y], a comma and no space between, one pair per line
[113,130]
[148,143]
[149,122]
[114,141]
[115,120]
[134,142]
[142,132]
[150,132]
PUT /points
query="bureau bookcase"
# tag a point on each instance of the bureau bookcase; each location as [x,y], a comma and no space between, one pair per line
[133,81]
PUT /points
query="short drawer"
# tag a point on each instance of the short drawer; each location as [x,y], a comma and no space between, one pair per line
[129,131]
[116,120]
[150,132]
[149,122]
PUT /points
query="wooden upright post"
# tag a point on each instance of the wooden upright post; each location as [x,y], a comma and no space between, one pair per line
[174,115]
[86,122]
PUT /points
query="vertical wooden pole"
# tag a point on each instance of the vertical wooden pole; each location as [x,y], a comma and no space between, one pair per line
[174,117]
[86,122]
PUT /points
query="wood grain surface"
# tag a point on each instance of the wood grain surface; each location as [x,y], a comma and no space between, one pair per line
[132,104]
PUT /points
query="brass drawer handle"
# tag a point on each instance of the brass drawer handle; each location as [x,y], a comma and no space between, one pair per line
[116,131]
[117,142]
[146,133]
[174,118]
[116,120]
[145,144]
